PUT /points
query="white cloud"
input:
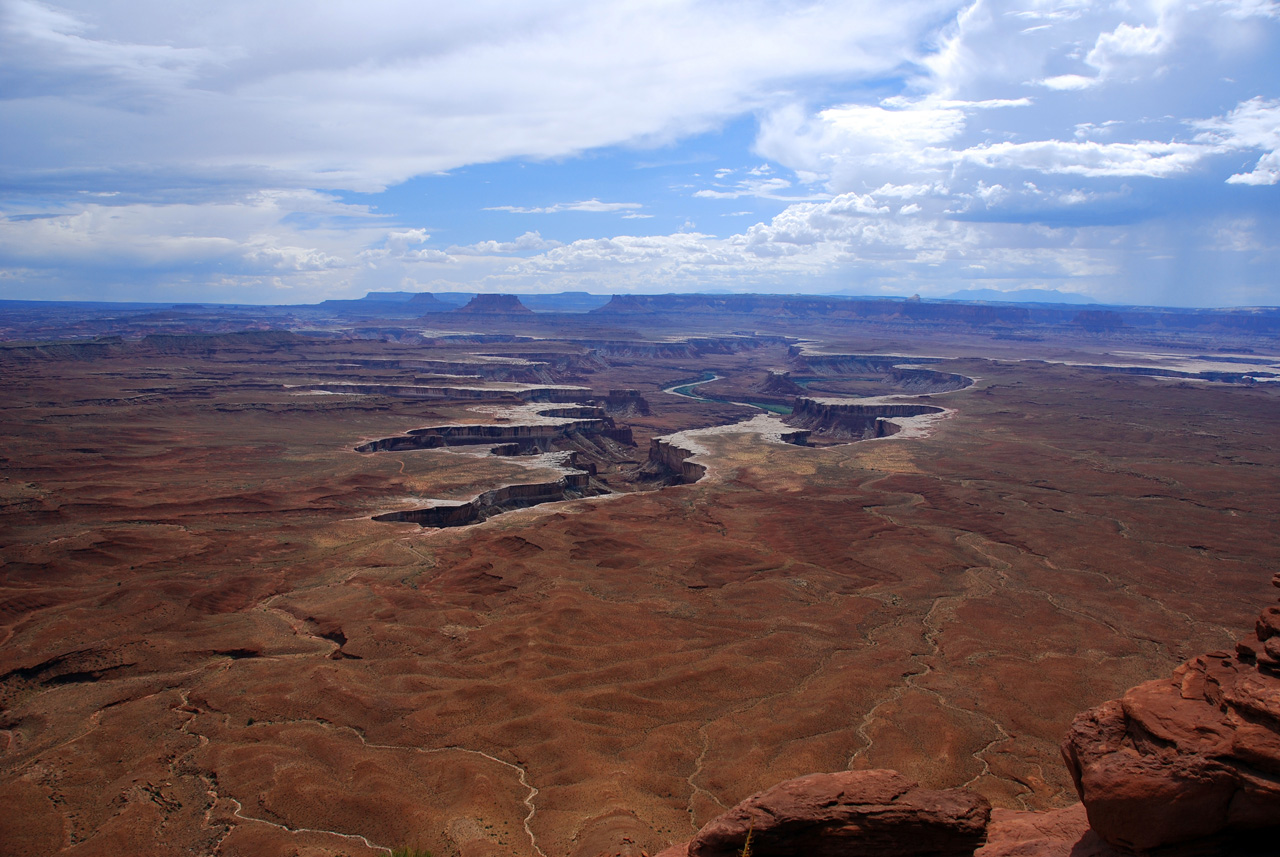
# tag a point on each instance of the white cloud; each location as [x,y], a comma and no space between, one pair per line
[1085,130]
[957,129]
[406,246]
[1070,81]
[527,243]
[1267,172]
[769,188]
[910,191]
[1124,42]
[1254,124]
[590,205]
[1143,158]
[254,236]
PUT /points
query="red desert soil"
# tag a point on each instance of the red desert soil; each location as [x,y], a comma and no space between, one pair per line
[207,645]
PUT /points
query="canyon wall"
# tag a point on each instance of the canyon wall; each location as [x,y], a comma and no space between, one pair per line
[675,459]
[571,486]
[852,421]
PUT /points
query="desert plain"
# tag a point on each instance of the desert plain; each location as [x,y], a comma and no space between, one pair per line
[209,644]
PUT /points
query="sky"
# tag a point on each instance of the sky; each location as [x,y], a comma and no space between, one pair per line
[290,152]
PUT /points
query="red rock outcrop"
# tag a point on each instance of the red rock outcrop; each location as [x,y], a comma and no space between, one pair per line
[1189,765]
[846,814]
[1192,756]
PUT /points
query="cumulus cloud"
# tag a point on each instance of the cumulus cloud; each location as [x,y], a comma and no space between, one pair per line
[813,247]
[529,242]
[893,142]
[1254,124]
[959,131]
[405,246]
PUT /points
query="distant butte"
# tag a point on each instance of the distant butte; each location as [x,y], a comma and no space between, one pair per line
[427,302]
[496,305]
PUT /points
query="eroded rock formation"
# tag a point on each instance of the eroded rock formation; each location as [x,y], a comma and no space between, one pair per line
[780,384]
[1190,756]
[846,814]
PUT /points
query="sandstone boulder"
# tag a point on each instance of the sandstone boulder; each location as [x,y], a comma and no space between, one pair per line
[849,814]
[1192,756]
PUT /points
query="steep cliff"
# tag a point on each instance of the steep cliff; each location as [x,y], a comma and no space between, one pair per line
[674,459]
[573,485]
[852,421]
[556,423]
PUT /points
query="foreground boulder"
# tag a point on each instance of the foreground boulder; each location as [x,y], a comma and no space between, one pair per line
[1188,757]
[846,814]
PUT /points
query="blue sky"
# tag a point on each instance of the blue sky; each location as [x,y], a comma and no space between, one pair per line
[289,152]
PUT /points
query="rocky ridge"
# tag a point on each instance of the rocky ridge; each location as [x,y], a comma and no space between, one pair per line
[1185,765]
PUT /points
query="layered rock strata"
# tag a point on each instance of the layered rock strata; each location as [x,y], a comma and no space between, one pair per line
[676,460]
[625,403]
[573,485]
[853,421]
[556,423]
[891,369]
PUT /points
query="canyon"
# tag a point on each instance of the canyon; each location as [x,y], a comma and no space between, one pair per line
[479,584]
